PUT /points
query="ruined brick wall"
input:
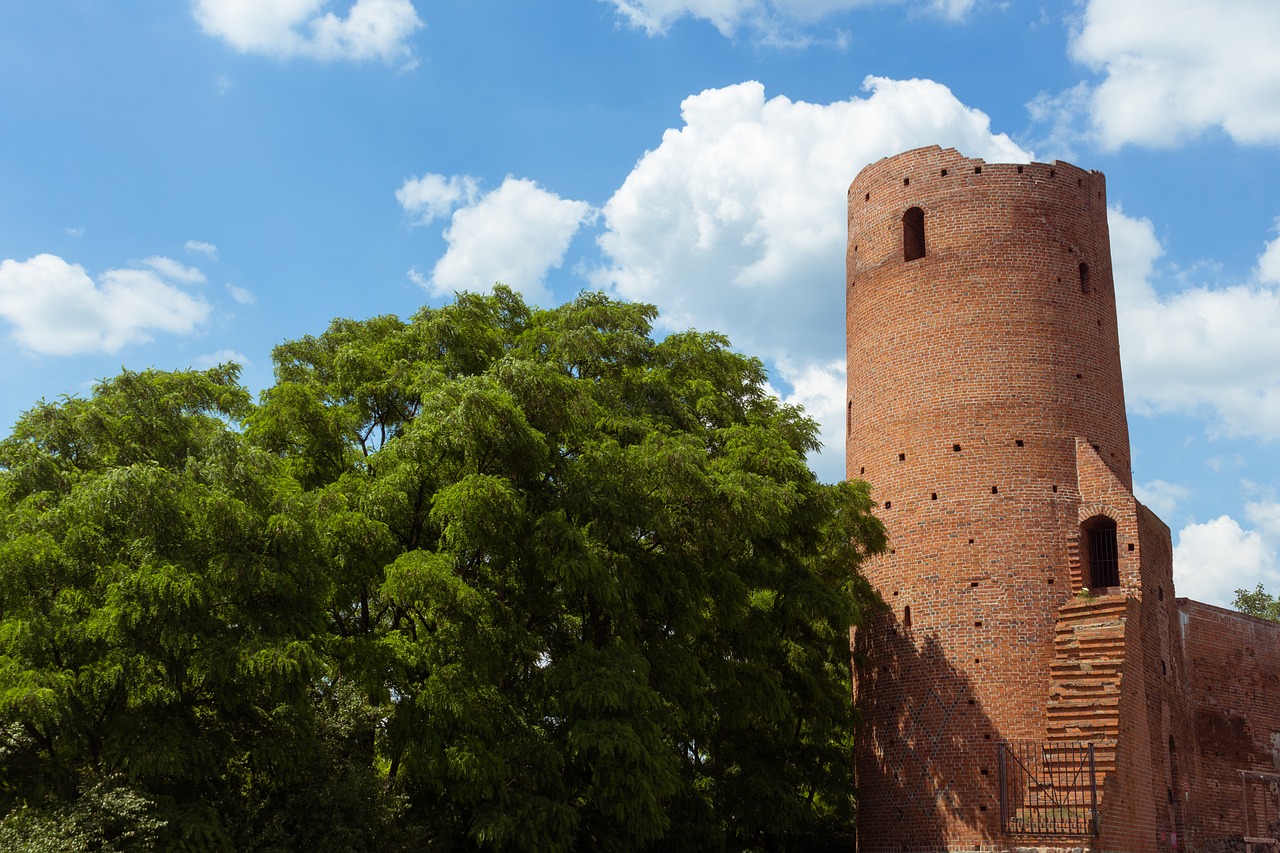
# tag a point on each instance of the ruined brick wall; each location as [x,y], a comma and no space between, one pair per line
[972,370]
[1232,662]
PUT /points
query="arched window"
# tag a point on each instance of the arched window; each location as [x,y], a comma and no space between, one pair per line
[1104,557]
[1085,285]
[913,234]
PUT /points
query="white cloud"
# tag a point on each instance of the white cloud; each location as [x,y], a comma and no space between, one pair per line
[371,29]
[74,232]
[241,295]
[174,270]
[822,390]
[222,356]
[200,247]
[1265,515]
[1161,497]
[1174,68]
[514,235]
[1268,270]
[1202,349]
[56,308]
[433,196]
[1212,560]
[736,222]
[773,19]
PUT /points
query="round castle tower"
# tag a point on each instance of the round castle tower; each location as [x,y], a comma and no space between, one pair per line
[983,360]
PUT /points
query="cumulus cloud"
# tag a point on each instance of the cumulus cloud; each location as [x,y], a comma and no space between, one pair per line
[514,234]
[1268,270]
[1174,68]
[1203,349]
[1214,559]
[773,19]
[736,222]
[371,29]
[55,307]
[200,247]
[433,196]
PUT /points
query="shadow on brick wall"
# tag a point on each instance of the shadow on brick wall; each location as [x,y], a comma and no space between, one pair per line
[927,762]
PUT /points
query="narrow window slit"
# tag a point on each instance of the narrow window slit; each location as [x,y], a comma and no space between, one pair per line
[913,245]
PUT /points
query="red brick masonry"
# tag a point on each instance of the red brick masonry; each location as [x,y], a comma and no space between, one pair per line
[986,408]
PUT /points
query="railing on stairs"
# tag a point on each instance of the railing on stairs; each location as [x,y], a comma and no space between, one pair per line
[1048,788]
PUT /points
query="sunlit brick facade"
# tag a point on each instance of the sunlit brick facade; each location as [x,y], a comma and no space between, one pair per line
[1030,595]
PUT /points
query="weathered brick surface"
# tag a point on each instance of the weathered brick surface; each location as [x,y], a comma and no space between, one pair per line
[989,344]
[1232,664]
[987,410]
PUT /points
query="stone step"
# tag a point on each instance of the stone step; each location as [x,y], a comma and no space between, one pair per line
[1089,640]
[1089,706]
[1075,625]
[1077,731]
[1112,606]
[1088,686]
[1096,666]
[1062,633]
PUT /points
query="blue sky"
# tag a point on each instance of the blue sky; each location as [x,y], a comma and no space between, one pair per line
[182,183]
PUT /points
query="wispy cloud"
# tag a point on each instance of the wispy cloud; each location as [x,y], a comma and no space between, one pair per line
[202,248]
[241,295]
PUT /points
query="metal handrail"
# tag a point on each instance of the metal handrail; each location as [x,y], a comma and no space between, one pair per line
[1056,774]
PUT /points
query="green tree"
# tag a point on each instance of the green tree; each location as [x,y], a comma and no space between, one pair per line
[1257,603]
[490,578]
[160,615]
[598,598]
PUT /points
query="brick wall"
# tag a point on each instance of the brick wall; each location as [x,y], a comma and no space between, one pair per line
[1232,664]
[971,373]
[986,407]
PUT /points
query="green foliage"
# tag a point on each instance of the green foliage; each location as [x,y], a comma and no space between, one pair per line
[1257,603]
[492,578]
[160,601]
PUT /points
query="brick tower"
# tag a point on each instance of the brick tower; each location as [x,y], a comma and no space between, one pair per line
[985,407]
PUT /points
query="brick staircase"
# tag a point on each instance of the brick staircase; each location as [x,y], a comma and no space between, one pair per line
[1084,706]
[1084,696]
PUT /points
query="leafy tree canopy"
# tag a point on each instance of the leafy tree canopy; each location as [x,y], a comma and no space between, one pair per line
[493,578]
[1257,603]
